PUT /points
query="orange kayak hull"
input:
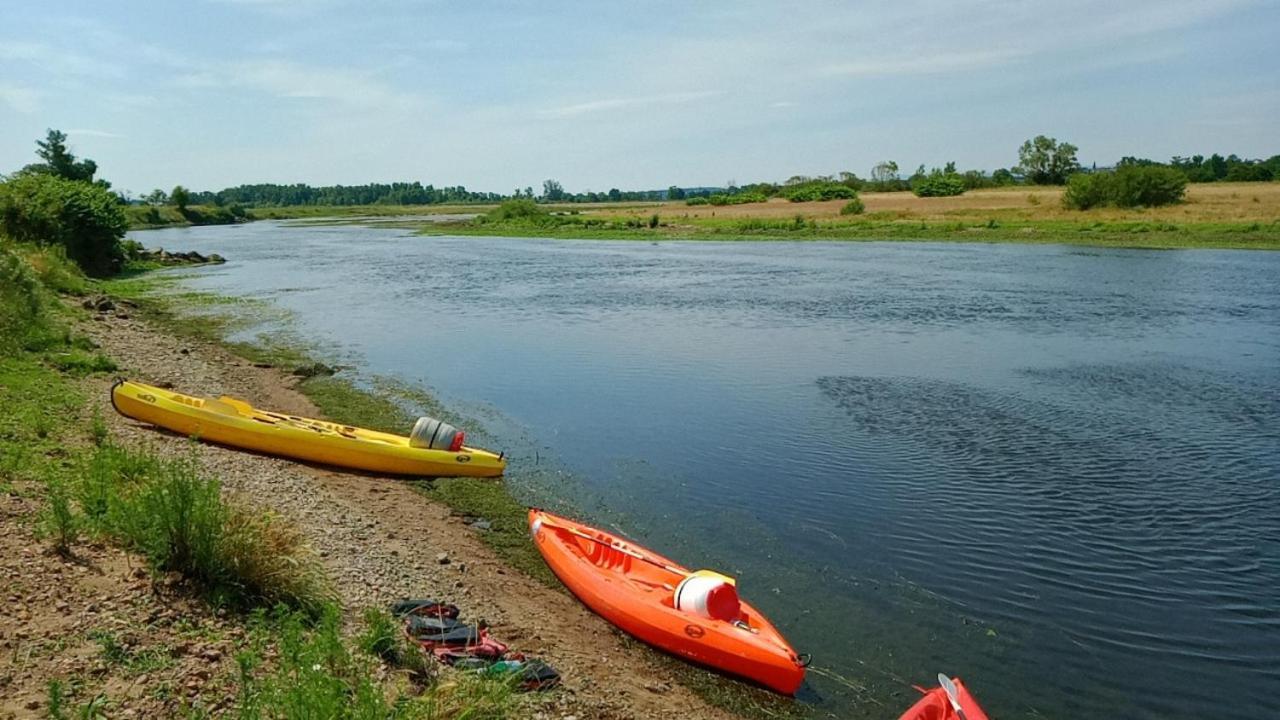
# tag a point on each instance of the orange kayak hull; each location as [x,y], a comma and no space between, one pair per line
[935,706]
[632,588]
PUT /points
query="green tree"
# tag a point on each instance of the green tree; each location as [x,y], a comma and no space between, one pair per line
[884,172]
[552,191]
[1002,177]
[84,218]
[1045,161]
[180,197]
[675,193]
[59,161]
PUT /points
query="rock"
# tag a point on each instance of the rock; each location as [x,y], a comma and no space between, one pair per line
[32,704]
[481,524]
[314,370]
[215,258]
[443,558]
[101,303]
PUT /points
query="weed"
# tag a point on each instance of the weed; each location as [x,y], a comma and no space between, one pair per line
[381,636]
[95,709]
[57,695]
[79,363]
[98,429]
[59,520]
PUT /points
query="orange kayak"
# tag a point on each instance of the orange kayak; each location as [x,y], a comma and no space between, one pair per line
[695,615]
[935,705]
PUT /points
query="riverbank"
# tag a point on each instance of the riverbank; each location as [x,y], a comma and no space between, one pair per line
[92,627]
[500,576]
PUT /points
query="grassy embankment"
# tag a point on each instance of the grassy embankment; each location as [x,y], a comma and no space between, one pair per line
[384,408]
[1219,215]
[292,660]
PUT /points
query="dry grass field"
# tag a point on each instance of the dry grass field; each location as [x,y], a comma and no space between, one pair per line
[1218,202]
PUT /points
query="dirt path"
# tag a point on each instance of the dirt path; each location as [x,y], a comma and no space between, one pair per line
[379,539]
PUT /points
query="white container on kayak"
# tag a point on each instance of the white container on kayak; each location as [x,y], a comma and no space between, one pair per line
[435,434]
[708,594]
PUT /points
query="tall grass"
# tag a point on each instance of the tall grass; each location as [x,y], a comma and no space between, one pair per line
[316,675]
[180,522]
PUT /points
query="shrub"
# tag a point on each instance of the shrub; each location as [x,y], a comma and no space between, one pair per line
[697,201]
[853,207]
[83,218]
[819,190]
[653,220]
[517,210]
[1129,186]
[1148,186]
[939,185]
[1087,190]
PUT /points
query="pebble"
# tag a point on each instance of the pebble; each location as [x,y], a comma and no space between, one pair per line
[443,558]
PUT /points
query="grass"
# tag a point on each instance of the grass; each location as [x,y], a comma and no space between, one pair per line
[180,522]
[316,675]
[1214,216]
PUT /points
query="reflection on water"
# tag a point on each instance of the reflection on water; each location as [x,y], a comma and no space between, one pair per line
[1054,472]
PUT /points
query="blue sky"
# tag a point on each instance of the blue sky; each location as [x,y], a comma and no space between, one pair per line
[498,95]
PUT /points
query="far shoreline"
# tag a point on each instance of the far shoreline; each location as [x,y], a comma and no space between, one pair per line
[1224,216]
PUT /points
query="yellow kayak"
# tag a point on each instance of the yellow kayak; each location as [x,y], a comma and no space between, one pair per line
[228,421]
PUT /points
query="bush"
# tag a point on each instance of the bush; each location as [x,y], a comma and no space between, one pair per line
[83,218]
[1130,186]
[516,211]
[697,201]
[1087,190]
[818,191]
[853,207]
[939,186]
[1149,186]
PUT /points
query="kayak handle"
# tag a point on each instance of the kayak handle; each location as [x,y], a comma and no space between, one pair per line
[806,659]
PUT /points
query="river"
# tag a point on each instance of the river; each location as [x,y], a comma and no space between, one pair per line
[1053,471]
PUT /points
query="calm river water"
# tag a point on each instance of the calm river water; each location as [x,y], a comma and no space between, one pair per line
[1052,471]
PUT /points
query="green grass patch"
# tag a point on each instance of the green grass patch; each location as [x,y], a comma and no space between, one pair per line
[314,674]
[892,227]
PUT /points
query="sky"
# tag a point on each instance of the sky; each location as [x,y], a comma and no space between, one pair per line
[636,95]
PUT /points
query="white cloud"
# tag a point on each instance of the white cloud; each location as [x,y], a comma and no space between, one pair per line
[24,100]
[925,64]
[92,133]
[626,103]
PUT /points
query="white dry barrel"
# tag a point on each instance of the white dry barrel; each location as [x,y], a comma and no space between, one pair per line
[708,594]
[435,434]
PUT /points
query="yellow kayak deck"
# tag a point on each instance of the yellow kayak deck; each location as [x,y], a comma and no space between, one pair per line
[228,421]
